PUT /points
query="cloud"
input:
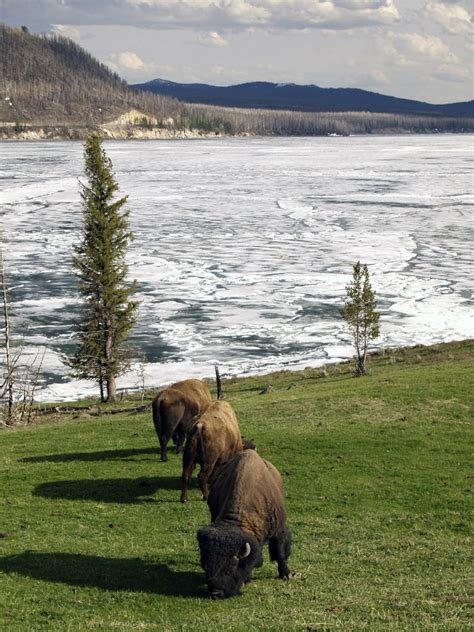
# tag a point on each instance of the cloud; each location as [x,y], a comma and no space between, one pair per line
[67,31]
[131,64]
[371,78]
[408,49]
[243,12]
[212,39]
[453,74]
[379,77]
[425,55]
[205,15]
[128,60]
[454,18]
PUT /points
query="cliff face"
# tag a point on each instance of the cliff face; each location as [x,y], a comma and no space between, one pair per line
[129,125]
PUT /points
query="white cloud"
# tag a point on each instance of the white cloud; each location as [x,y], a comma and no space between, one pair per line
[454,17]
[454,74]
[371,79]
[377,77]
[128,61]
[408,49]
[211,15]
[243,12]
[427,57]
[212,39]
[66,31]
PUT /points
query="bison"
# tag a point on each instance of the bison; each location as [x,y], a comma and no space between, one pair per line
[246,501]
[214,438]
[176,410]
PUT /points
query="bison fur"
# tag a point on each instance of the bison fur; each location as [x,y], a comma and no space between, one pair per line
[215,438]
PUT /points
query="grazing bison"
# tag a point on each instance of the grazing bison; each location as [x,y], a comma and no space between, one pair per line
[247,510]
[176,409]
[214,438]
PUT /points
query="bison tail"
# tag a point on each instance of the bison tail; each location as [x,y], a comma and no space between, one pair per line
[192,449]
[199,443]
[248,444]
[156,411]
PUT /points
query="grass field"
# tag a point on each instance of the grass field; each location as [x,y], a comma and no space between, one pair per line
[377,477]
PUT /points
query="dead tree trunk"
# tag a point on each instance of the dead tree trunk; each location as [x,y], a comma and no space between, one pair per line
[8,357]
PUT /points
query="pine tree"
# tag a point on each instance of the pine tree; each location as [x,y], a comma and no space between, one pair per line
[360,314]
[107,313]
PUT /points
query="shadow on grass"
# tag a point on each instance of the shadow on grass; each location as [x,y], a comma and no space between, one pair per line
[90,456]
[105,573]
[110,490]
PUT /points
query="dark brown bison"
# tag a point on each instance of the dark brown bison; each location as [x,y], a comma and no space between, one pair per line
[176,410]
[215,438]
[247,509]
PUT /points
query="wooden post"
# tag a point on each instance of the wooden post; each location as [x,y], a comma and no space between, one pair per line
[218,383]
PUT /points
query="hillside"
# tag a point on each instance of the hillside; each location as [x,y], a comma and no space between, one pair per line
[306,98]
[50,80]
[377,474]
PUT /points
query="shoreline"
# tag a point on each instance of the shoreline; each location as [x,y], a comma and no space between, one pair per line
[322,368]
[120,132]
[72,134]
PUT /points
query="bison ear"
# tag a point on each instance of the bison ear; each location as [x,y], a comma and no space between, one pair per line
[245,551]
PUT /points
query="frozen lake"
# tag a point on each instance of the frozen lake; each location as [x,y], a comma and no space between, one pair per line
[243,247]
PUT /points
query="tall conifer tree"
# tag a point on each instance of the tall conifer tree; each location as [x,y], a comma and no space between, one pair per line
[107,311]
[360,314]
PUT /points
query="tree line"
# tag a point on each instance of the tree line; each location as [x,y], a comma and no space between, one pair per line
[292,123]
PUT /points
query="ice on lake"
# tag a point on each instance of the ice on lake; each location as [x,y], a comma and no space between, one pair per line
[243,247]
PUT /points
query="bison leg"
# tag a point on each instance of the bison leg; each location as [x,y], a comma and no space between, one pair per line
[163,443]
[280,549]
[189,463]
[185,480]
[203,478]
[179,438]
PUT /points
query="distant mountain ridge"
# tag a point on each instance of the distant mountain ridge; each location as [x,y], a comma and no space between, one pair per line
[303,98]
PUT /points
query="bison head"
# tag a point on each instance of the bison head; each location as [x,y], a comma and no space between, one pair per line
[228,556]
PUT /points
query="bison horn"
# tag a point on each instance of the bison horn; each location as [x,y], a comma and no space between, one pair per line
[247,550]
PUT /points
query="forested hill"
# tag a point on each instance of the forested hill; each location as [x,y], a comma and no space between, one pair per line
[302,98]
[48,79]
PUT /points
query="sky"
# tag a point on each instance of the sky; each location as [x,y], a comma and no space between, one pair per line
[417,49]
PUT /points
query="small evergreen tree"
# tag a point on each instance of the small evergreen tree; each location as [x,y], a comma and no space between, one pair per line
[360,314]
[107,313]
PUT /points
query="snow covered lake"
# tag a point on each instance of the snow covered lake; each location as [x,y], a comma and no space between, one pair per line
[243,247]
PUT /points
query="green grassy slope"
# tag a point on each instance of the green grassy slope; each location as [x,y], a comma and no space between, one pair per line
[377,477]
